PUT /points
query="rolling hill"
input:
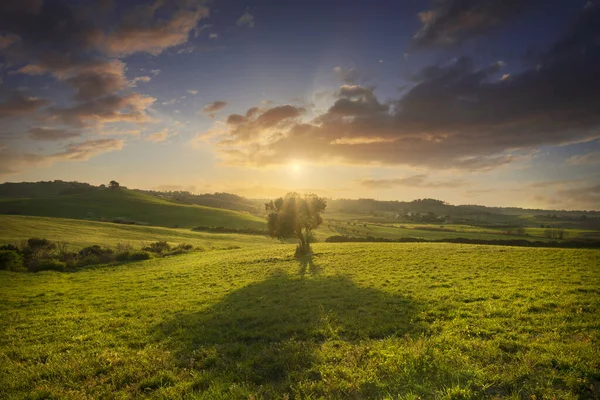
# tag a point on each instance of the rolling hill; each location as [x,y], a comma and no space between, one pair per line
[110,204]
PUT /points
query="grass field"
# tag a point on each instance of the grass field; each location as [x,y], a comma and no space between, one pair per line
[109,204]
[389,321]
[359,228]
[78,234]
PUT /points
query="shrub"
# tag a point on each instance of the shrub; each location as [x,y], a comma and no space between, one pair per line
[10,260]
[38,243]
[49,265]
[122,256]
[158,247]
[94,255]
[139,255]
[11,247]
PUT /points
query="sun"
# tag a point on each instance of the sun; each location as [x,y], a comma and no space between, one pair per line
[295,168]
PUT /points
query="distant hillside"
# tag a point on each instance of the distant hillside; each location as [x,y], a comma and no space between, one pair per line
[109,204]
[227,201]
[437,211]
[55,199]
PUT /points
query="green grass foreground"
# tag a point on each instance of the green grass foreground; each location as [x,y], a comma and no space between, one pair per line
[393,321]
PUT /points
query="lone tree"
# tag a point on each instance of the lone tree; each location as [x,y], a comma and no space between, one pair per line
[295,216]
[114,184]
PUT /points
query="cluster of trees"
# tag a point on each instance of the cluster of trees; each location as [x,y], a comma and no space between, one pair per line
[554,233]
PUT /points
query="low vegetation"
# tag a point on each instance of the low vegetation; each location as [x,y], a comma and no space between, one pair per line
[357,320]
[37,254]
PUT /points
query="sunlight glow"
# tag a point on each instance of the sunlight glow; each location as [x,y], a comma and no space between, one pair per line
[295,168]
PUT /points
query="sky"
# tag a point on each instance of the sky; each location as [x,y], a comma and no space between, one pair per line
[492,102]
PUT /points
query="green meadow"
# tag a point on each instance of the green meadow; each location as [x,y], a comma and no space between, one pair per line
[122,203]
[77,234]
[357,320]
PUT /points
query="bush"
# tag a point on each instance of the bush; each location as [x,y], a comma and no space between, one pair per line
[10,260]
[95,255]
[158,247]
[38,243]
[139,255]
[11,247]
[49,265]
[122,256]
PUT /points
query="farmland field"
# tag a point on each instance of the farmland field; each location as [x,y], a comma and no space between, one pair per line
[389,321]
[78,234]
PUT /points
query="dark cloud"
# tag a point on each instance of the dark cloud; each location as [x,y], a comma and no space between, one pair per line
[453,116]
[18,103]
[587,197]
[142,31]
[414,181]
[108,109]
[75,45]
[214,107]
[52,134]
[449,22]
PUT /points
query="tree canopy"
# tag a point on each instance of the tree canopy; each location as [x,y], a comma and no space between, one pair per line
[296,216]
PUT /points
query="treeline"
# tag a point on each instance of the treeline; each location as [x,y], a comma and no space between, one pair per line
[226,201]
[221,229]
[523,243]
[44,189]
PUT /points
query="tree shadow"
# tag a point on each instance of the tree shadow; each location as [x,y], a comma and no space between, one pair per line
[269,334]
[306,264]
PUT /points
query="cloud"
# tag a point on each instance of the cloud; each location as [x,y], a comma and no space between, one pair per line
[214,107]
[141,31]
[109,109]
[584,159]
[12,162]
[587,197]
[450,22]
[349,76]
[452,116]
[213,36]
[160,136]
[85,150]
[50,134]
[90,79]
[68,43]
[8,40]
[414,181]
[246,20]
[193,92]
[143,79]
[18,104]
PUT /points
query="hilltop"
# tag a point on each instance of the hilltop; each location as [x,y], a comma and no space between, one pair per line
[121,204]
